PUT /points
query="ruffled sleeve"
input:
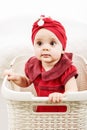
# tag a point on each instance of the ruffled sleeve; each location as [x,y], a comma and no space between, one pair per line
[69,73]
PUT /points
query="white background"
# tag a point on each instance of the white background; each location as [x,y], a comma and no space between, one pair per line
[72,9]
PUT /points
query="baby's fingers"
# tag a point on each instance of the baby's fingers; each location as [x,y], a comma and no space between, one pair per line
[7,72]
[10,75]
[55,97]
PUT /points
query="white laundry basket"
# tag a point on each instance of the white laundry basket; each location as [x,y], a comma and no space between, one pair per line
[21,103]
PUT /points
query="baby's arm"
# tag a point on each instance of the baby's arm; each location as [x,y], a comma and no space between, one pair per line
[18,79]
[70,86]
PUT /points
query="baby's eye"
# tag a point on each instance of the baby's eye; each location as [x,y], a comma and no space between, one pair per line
[39,43]
[53,43]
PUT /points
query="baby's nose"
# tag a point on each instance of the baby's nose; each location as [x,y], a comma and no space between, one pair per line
[45,47]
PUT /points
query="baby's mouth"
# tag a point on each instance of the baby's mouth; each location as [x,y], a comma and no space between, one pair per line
[45,55]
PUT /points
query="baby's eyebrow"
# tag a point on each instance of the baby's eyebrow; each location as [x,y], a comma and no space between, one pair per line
[53,39]
[38,39]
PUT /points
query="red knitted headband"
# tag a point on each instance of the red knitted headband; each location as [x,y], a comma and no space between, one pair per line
[52,25]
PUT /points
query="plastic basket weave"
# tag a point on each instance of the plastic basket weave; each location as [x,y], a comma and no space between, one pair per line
[21,104]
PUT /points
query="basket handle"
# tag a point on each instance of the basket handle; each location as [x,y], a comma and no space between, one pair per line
[28,96]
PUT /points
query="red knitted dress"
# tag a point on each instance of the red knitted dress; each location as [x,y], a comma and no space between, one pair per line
[54,80]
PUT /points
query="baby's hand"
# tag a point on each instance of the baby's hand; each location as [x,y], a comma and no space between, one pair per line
[55,97]
[18,79]
[11,76]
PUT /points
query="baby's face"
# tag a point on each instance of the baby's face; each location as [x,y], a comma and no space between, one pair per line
[47,46]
